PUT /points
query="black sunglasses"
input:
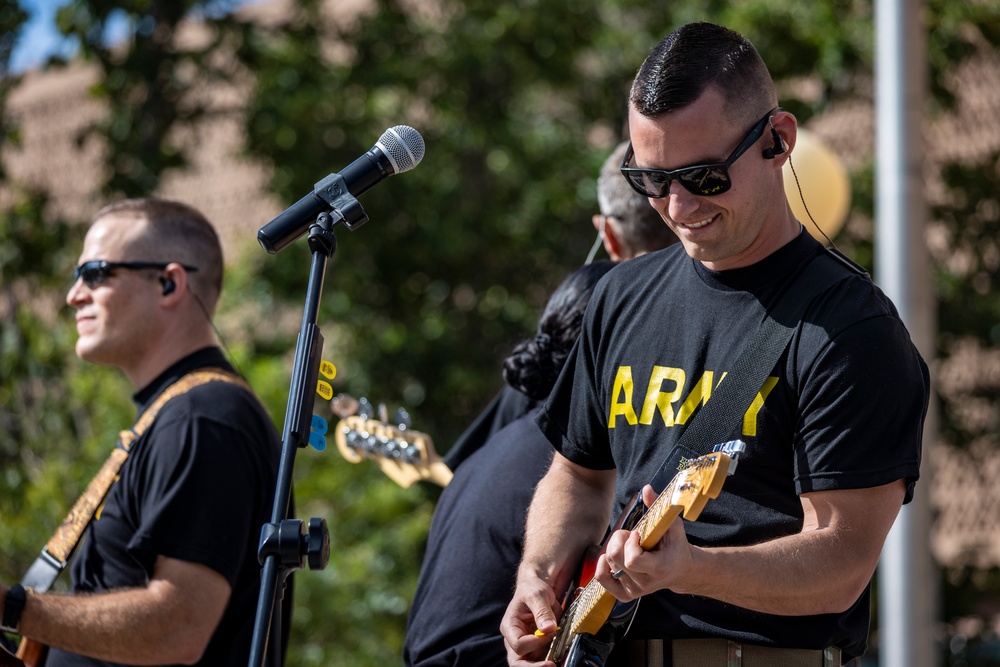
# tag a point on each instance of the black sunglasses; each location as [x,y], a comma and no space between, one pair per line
[704,180]
[96,271]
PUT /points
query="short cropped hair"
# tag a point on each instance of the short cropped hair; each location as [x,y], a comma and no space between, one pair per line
[696,56]
[640,227]
[177,233]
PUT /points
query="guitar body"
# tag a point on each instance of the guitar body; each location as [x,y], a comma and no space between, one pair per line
[593,621]
[28,654]
[585,648]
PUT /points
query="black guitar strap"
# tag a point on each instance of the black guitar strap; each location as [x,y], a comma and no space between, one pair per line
[714,422]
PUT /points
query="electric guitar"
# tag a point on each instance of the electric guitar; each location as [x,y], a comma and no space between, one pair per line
[405,456]
[593,620]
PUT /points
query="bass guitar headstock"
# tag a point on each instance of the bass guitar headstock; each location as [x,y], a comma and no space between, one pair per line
[404,455]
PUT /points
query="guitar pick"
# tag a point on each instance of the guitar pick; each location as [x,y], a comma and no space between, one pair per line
[317,441]
[319,425]
[328,370]
[324,389]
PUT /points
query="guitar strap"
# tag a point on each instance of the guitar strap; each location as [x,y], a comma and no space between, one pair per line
[57,552]
[713,424]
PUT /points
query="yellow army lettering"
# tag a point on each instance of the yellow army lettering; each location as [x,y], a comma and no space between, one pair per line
[664,391]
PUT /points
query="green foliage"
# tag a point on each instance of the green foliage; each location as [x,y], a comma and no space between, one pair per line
[971,218]
[148,82]
[955,31]
[58,420]
[12,17]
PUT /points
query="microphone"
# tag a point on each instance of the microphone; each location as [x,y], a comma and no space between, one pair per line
[399,149]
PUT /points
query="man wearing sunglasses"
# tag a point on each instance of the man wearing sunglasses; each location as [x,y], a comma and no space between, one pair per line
[777,569]
[167,572]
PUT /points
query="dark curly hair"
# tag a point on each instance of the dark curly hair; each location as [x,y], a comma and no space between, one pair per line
[534,365]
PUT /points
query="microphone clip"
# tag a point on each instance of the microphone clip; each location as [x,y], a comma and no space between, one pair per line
[344,207]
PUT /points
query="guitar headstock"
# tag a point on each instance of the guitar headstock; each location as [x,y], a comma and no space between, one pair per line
[689,491]
[405,456]
[702,479]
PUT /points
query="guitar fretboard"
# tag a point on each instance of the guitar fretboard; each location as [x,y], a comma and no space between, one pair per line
[687,492]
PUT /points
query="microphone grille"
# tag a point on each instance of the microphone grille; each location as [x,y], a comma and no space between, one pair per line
[404,147]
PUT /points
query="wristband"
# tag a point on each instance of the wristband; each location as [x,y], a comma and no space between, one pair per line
[13,605]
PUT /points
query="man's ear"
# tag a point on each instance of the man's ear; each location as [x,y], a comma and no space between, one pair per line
[174,281]
[784,127]
[609,234]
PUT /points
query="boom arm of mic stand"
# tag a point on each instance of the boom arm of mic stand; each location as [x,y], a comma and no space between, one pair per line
[285,544]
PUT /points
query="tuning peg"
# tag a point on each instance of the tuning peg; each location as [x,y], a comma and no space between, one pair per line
[365,409]
[411,454]
[354,439]
[394,448]
[402,419]
[344,405]
[383,413]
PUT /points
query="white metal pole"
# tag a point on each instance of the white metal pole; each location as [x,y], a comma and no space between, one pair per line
[907,585]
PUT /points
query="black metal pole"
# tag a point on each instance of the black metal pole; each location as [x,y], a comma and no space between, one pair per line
[285,544]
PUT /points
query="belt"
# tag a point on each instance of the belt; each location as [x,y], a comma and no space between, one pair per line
[718,653]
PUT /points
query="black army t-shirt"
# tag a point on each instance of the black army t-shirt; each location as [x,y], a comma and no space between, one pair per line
[843,409]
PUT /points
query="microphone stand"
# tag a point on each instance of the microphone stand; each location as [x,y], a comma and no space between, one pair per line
[286,544]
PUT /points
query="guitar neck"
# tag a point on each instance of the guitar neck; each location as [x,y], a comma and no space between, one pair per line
[688,492]
[705,474]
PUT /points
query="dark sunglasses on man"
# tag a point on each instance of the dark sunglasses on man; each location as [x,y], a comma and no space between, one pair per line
[96,271]
[704,180]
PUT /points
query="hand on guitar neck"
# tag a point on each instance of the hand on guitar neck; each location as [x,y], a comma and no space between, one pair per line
[593,619]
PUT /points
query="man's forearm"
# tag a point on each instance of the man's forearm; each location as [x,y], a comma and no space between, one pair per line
[822,569]
[122,626]
[568,513]
[169,621]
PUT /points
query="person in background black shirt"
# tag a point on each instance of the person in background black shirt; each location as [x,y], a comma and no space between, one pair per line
[475,540]
[167,572]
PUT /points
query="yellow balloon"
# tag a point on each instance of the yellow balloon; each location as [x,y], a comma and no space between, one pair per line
[825,186]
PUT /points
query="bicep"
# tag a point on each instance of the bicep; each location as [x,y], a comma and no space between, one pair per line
[195,593]
[859,518]
[569,473]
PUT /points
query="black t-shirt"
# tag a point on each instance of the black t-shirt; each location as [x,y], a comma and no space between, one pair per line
[197,486]
[473,550]
[843,409]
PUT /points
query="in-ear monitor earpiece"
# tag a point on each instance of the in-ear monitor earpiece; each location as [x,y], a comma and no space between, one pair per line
[779,143]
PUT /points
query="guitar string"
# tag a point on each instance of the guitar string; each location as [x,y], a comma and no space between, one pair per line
[594,592]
